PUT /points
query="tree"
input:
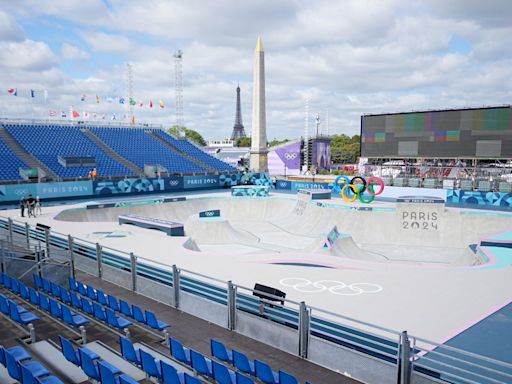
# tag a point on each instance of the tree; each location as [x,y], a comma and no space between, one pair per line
[243,142]
[345,149]
[277,142]
[189,134]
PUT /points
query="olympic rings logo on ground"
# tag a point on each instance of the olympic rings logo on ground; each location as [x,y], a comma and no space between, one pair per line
[301,284]
[353,189]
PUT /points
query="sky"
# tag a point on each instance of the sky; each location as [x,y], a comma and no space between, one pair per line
[347,57]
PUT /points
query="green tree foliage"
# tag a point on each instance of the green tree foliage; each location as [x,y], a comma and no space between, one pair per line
[345,149]
[243,142]
[277,142]
[189,134]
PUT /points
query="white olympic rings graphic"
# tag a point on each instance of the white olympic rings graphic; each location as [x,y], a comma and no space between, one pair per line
[209,213]
[290,155]
[335,287]
[174,182]
[283,183]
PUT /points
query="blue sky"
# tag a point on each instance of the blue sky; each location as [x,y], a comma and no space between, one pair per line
[347,57]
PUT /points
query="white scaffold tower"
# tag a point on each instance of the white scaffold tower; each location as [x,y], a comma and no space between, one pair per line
[178,87]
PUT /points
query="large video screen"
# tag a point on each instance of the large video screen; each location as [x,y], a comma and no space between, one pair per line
[466,133]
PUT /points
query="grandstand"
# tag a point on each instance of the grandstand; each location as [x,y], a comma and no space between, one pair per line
[120,151]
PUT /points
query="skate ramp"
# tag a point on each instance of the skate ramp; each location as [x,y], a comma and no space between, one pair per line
[220,231]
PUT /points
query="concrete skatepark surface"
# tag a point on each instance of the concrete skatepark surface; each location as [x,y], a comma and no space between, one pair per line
[384,269]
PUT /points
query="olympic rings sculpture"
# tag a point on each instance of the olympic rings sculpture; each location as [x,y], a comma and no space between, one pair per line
[350,191]
[335,287]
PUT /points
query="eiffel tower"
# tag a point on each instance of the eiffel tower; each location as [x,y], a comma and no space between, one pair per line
[238,128]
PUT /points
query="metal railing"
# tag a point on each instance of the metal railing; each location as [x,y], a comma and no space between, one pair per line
[409,354]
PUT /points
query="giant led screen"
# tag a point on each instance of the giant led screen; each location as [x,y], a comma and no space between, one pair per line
[466,133]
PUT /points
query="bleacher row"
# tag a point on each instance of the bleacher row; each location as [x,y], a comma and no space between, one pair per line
[48,142]
[181,366]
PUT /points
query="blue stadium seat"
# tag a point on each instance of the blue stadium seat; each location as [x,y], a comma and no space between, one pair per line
[65,295]
[101,297]
[37,281]
[179,352]
[89,365]
[222,374]
[87,306]
[13,367]
[24,293]
[138,315]
[170,375]
[34,296]
[265,373]
[125,308]
[4,305]
[99,312]
[27,377]
[17,352]
[7,281]
[76,301]
[44,302]
[201,364]
[191,379]
[150,365]
[73,318]
[116,321]
[47,287]
[125,379]
[286,378]
[73,286]
[219,351]
[112,303]
[15,286]
[129,352]
[91,292]
[72,355]
[55,289]
[22,317]
[82,288]
[241,379]
[55,308]
[154,323]
[108,374]
[242,363]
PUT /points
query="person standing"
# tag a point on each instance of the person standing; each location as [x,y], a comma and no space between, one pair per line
[38,209]
[30,203]
[22,206]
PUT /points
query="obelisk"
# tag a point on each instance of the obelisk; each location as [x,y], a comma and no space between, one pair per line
[258,159]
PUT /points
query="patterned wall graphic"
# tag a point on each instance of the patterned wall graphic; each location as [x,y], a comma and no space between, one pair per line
[247,191]
[128,186]
[480,200]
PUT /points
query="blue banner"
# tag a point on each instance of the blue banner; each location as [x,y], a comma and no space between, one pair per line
[134,185]
[480,200]
[14,192]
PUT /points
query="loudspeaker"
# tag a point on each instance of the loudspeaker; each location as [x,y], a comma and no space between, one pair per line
[262,289]
[42,227]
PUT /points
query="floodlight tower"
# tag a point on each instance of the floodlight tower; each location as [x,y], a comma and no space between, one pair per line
[306,136]
[178,87]
[129,87]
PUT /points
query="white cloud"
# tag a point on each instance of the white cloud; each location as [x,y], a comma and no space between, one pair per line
[107,43]
[9,30]
[71,52]
[27,55]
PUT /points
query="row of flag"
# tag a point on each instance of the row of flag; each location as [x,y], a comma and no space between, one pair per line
[110,99]
[33,92]
[122,100]
[86,115]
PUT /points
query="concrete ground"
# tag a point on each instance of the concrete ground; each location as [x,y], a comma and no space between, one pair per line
[385,270]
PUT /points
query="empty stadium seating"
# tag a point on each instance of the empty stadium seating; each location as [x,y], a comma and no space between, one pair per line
[142,149]
[10,164]
[187,147]
[48,142]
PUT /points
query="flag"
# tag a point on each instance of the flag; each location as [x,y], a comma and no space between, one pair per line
[121,100]
[32,93]
[94,116]
[110,99]
[86,115]
[133,119]
[141,103]
[53,113]
[150,103]
[13,91]
[113,116]
[82,98]
[97,99]
[132,101]
[62,114]
[76,114]
[161,103]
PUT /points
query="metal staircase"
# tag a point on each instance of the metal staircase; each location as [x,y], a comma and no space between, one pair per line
[198,162]
[113,154]
[25,156]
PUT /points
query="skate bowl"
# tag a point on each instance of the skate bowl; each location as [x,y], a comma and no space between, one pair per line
[412,231]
